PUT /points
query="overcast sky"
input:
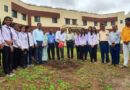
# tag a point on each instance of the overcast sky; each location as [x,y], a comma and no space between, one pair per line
[94,6]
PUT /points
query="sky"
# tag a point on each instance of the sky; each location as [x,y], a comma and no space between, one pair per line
[92,6]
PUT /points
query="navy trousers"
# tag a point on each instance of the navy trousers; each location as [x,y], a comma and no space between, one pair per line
[70,49]
[93,53]
[39,50]
[78,52]
[115,54]
[104,47]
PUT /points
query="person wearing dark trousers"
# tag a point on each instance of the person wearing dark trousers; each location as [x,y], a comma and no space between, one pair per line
[87,46]
[38,41]
[8,37]
[77,43]
[57,50]
[83,42]
[16,45]
[51,45]
[114,42]
[1,46]
[24,46]
[70,44]
[60,40]
[104,45]
[93,40]
[30,44]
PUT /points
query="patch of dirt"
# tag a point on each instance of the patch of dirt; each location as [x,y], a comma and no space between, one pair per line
[70,65]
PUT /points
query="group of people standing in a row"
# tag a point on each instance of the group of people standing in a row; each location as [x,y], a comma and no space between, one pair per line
[19,44]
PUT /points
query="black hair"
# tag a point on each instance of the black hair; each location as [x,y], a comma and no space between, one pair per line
[7,17]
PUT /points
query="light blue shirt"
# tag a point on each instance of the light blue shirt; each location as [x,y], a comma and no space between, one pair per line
[114,37]
[37,35]
[51,38]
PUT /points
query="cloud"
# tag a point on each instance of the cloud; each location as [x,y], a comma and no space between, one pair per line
[95,6]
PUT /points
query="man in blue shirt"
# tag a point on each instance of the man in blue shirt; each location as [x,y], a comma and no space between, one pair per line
[38,41]
[51,45]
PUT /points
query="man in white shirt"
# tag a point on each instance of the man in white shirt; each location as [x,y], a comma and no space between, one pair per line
[60,38]
[70,43]
[104,45]
[38,42]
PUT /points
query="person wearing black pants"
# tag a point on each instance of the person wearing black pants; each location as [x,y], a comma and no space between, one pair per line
[1,47]
[51,45]
[24,47]
[93,53]
[60,39]
[8,37]
[83,42]
[70,44]
[30,44]
[57,50]
[16,45]
[93,40]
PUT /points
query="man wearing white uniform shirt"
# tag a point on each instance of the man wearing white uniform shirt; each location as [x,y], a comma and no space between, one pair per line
[60,38]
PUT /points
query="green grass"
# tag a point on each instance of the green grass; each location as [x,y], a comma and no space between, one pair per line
[68,75]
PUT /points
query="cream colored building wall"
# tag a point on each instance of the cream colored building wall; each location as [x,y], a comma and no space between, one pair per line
[2,12]
[45,21]
[64,14]
[20,20]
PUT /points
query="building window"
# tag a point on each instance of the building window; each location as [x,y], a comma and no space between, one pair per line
[67,21]
[121,21]
[112,23]
[54,20]
[84,22]
[5,8]
[105,23]
[74,21]
[14,14]
[37,19]
[24,17]
[95,23]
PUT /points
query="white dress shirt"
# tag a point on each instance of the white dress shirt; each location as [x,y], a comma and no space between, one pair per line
[83,40]
[23,40]
[93,39]
[31,40]
[8,34]
[114,37]
[16,42]
[1,38]
[60,36]
[69,36]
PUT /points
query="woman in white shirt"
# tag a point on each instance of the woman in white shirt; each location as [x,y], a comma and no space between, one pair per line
[16,45]
[93,43]
[24,46]
[30,44]
[8,37]
[83,42]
